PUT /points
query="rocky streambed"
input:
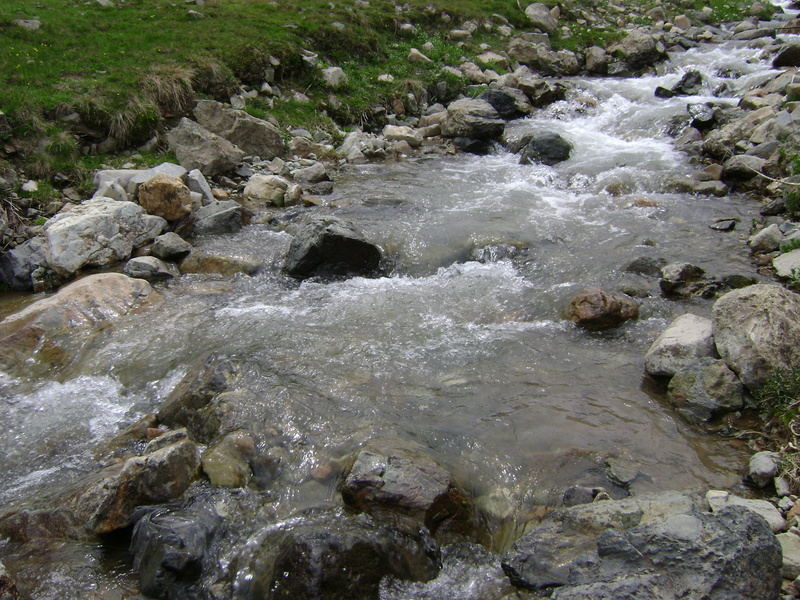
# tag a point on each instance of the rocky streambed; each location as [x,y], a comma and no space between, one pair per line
[375,393]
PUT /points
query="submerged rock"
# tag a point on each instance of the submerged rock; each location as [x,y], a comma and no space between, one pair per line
[331,556]
[187,404]
[331,247]
[757,330]
[168,546]
[595,309]
[52,329]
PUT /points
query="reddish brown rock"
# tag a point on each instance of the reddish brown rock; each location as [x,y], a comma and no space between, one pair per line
[596,309]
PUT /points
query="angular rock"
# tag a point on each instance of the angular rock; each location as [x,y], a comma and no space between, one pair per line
[52,329]
[196,182]
[313,174]
[254,136]
[18,265]
[766,240]
[683,549]
[220,216]
[331,247]
[475,119]
[543,60]
[97,233]
[170,247]
[596,60]
[789,56]
[264,190]
[757,330]
[787,265]
[140,177]
[680,280]
[539,16]
[540,92]
[705,389]
[150,268]
[595,309]
[742,167]
[639,49]
[510,103]
[718,500]
[547,148]
[186,405]
[108,503]
[330,556]
[166,197]
[687,339]
[790,549]
[763,468]
[730,554]
[689,85]
[198,148]
[401,133]
[543,557]
[399,476]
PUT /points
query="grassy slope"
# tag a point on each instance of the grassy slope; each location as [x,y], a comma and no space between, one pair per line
[124,69]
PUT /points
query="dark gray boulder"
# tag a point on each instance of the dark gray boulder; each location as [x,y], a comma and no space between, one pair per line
[547,148]
[727,555]
[217,217]
[510,103]
[789,56]
[331,556]
[170,246]
[168,545]
[331,247]
[18,264]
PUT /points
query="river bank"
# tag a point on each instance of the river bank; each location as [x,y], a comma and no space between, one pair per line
[449,395]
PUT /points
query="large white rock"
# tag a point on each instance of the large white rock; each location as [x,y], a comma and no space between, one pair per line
[97,233]
[757,330]
[688,338]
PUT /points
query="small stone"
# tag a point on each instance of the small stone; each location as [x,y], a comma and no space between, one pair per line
[763,468]
[415,55]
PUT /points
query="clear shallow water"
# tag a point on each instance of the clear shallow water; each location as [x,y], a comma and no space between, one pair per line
[472,359]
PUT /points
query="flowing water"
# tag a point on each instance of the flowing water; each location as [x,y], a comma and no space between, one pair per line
[470,357]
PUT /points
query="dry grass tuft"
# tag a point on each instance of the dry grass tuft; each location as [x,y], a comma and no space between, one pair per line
[169,86]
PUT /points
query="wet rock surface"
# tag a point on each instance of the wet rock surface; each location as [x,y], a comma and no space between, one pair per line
[331,247]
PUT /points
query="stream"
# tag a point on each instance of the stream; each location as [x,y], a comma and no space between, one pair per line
[463,347]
